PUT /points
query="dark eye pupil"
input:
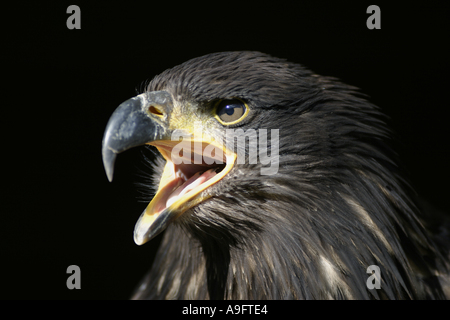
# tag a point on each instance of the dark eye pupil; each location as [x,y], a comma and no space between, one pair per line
[230,110]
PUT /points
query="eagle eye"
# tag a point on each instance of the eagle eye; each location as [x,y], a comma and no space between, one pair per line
[231,111]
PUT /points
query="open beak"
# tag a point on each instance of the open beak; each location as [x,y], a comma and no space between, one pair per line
[192,165]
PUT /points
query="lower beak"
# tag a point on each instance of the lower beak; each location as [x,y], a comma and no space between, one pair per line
[181,188]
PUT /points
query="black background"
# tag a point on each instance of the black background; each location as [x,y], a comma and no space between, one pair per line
[61,86]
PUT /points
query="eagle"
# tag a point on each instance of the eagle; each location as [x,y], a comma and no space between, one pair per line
[273,182]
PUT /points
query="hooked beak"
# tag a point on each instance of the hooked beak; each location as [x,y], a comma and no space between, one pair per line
[146,119]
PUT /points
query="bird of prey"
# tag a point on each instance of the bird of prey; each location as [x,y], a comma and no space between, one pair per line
[273,182]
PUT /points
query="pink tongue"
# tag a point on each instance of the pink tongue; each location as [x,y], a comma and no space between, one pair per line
[190,184]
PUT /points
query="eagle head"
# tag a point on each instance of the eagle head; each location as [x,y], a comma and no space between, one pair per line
[272,182]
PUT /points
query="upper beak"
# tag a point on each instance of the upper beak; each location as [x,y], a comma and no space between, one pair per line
[134,123]
[137,121]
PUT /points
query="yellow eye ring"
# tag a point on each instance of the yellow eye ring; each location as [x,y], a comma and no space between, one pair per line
[230,111]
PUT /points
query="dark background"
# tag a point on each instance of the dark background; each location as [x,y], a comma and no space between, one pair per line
[61,86]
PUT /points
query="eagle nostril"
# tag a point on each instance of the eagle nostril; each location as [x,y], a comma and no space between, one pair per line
[154,110]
